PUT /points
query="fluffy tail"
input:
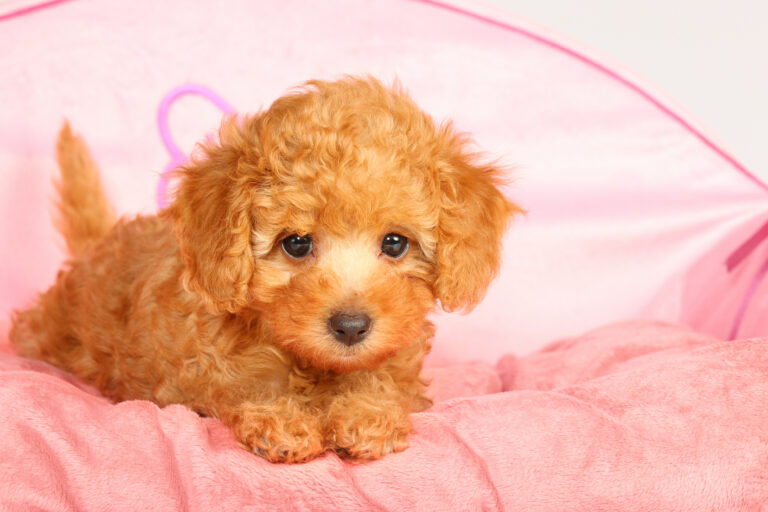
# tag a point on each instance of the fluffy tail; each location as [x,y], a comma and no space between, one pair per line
[84,215]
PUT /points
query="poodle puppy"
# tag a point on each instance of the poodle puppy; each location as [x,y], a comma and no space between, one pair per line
[285,290]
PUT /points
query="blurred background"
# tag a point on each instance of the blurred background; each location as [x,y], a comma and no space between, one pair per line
[708,56]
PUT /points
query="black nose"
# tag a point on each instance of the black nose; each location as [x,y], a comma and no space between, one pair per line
[350,328]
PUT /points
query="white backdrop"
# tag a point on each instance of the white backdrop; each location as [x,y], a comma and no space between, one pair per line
[710,56]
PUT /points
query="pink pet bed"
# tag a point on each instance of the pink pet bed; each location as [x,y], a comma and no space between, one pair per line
[635,213]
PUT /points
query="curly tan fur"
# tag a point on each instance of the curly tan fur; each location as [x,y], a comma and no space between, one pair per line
[200,305]
[84,216]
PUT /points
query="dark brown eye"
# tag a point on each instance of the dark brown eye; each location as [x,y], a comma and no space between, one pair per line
[297,246]
[394,245]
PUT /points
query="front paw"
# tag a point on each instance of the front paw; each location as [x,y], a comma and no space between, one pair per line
[279,432]
[363,431]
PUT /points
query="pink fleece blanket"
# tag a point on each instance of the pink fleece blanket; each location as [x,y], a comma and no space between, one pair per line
[627,417]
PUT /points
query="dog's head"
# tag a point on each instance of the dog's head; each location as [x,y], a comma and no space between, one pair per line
[340,214]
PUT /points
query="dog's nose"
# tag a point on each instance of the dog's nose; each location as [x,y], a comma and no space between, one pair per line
[350,328]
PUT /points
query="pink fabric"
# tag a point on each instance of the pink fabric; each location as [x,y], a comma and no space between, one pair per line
[633,208]
[642,417]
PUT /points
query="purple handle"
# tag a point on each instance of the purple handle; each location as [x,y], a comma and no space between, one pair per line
[177,156]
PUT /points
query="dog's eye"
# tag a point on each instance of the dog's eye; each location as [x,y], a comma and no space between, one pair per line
[297,246]
[394,245]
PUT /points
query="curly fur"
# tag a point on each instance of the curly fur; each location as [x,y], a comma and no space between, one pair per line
[200,306]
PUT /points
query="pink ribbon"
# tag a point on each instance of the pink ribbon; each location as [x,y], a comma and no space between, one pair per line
[177,156]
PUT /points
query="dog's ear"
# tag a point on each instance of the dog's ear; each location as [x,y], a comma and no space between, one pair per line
[212,214]
[473,217]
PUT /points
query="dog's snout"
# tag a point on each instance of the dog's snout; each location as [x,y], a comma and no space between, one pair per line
[350,328]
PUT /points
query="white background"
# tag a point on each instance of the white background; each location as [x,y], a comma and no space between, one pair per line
[710,56]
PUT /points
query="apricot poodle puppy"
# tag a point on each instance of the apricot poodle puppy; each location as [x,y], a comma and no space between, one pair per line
[285,290]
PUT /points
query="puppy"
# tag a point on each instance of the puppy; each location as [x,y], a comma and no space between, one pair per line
[285,290]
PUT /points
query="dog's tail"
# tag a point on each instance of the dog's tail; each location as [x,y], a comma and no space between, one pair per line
[84,214]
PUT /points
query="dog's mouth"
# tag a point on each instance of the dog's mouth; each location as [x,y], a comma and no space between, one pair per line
[344,337]
[330,354]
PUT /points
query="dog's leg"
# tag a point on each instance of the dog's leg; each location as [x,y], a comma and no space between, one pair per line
[362,425]
[368,416]
[45,332]
[280,431]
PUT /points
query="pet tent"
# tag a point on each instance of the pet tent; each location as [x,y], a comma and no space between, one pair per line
[634,213]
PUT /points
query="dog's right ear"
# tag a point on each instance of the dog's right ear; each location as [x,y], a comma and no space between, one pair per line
[212,216]
[474,215]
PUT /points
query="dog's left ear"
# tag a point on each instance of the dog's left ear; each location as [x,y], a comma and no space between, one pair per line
[212,217]
[473,217]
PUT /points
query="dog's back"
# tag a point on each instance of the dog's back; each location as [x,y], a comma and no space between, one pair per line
[83,323]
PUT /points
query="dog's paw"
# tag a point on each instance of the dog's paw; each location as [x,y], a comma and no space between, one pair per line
[280,432]
[364,431]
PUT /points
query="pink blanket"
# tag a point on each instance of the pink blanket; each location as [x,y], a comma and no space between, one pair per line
[627,417]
